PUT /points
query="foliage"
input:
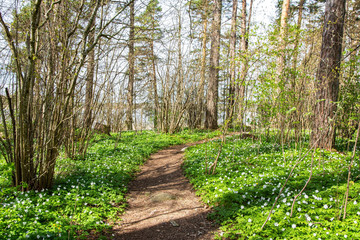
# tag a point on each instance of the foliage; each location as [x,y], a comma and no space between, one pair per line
[88,194]
[6,170]
[249,178]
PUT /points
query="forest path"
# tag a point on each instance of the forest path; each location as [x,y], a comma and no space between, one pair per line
[162,202]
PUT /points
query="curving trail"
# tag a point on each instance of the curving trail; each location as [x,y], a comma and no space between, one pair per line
[162,203]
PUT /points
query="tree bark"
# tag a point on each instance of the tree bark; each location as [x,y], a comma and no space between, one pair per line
[213,85]
[297,36]
[130,88]
[200,93]
[245,30]
[180,82]
[327,82]
[230,109]
[154,83]
[294,71]
[90,81]
[282,42]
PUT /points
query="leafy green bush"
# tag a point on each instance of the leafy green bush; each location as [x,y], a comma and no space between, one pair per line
[249,177]
[88,194]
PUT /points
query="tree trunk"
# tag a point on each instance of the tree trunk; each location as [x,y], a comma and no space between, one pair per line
[327,84]
[130,88]
[154,82]
[297,36]
[213,85]
[280,76]
[297,101]
[282,37]
[90,81]
[200,93]
[180,82]
[245,29]
[230,109]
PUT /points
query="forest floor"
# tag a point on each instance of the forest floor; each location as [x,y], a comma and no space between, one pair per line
[162,203]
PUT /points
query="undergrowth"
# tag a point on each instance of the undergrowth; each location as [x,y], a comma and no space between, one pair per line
[249,177]
[88,194]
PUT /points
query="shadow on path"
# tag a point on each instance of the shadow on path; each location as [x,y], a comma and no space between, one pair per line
[162,203]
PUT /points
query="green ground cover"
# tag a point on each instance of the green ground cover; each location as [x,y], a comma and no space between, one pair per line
[88,194]
[249,177]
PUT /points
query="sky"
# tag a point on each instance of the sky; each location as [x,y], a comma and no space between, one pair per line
[264,11]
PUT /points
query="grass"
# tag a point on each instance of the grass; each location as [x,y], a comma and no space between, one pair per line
[88,194]
[249,177]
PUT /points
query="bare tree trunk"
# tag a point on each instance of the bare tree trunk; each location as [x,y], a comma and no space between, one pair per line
[130,88]
[203,68]
[296,45]
[153,69]
[280,81]
[327,85]
[90,81]
[231,99]
[282,36]
[154,83]
[25,145]
[297,101]
[245,30]
[39,129]
[180,81]
[213,85]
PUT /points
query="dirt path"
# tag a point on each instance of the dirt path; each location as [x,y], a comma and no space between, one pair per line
[162,203]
